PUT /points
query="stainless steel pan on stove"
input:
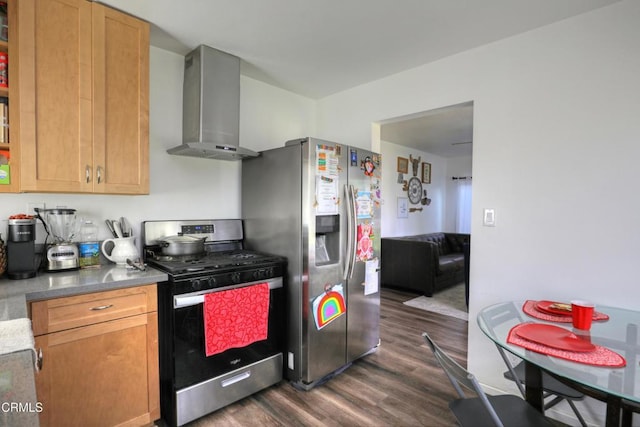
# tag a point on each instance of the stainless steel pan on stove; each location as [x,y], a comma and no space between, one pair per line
[181,245]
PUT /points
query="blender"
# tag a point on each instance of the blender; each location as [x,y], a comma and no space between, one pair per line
[61,224]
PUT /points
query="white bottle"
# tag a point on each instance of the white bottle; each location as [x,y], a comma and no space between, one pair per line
[89,247]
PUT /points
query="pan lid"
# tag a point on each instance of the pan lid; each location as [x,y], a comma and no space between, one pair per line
[182,239]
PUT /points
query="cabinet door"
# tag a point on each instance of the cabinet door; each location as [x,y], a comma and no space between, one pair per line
[84,98]
[121,102]
[54,83]
[100,375]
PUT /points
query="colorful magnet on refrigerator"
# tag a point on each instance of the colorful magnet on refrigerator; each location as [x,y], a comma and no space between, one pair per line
[328,306]
[353,157]
[367,166]
[364,250]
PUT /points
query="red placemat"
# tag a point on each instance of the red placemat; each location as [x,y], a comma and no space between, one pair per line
[529,307]
[601,356]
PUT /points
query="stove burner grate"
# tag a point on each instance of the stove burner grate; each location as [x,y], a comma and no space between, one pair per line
[209,261]
[243,255]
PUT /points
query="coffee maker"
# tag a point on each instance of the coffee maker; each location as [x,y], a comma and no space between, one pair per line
[60,224]
[21,253]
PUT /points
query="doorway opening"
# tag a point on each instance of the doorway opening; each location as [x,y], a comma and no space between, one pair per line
[443,139]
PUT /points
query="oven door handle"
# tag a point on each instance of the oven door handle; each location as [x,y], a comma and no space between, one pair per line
[180,302]
[195,298]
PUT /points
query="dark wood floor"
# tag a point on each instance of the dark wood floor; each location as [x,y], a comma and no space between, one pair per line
[399,385]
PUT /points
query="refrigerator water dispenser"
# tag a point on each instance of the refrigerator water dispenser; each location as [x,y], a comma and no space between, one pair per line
[327,239]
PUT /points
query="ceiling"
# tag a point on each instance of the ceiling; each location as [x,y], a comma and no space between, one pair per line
[317,48]
[445,132]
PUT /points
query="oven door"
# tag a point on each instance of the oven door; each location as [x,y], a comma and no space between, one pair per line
[192,366]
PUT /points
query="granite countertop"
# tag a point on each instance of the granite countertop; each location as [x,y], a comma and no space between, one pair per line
[16,294]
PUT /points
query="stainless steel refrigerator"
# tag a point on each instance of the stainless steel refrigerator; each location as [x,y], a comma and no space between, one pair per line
[318,204]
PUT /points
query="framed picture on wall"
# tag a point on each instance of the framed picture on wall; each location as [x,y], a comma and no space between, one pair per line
[426,173]
[403,207]
[403,165]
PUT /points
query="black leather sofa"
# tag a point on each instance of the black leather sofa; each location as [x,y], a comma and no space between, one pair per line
[425,263]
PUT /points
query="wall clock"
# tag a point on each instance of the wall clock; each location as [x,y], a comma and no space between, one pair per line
[414,190]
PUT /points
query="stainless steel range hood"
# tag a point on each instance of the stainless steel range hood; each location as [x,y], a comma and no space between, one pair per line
[211,106]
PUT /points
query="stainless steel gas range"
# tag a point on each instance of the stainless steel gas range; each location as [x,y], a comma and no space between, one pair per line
[203,366]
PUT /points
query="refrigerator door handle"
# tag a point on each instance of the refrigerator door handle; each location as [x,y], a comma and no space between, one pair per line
[351,230]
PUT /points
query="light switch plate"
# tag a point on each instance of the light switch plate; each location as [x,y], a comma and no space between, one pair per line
[489,218]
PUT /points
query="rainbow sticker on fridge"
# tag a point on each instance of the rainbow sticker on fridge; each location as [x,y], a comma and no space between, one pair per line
[328,306]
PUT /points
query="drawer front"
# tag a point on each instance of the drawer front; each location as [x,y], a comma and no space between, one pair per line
[60,314]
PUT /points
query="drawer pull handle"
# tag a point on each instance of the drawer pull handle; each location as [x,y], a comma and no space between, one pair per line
[236,379]
[101,307]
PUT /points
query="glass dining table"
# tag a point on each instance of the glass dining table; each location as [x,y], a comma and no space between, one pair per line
[618,387]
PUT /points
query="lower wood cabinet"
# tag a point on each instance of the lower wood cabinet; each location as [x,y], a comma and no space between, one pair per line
[103,372]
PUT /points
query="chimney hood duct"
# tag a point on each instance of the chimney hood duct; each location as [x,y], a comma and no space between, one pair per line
[211,106]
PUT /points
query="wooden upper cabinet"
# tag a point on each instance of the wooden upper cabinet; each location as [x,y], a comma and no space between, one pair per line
[55,94]
[121,102]
[83,90]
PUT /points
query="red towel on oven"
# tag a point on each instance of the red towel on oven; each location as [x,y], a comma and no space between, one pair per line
[235,318]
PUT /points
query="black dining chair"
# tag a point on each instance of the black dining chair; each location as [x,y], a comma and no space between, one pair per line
[483,410]
[628,409]
[554,391]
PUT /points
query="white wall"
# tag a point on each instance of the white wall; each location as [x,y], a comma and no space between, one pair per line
[270,116]
[555,154]
[432,218]
[183,187]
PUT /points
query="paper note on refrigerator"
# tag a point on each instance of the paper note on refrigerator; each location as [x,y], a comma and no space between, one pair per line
[327,198]
[364,206]
[371,285]
[364,248]
[326,161]
[328,306]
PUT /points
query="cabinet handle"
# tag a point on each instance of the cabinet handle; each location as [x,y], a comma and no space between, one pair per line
[99,170]
[87,173]
[101,307]
[39,360]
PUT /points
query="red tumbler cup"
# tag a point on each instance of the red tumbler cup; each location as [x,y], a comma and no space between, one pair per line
[582,313]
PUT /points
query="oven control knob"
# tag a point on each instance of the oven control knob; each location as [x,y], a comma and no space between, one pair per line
[211,281]
[196,285]
[235,277]
[258,274]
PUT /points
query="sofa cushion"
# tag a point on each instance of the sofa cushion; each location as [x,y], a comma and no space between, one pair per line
[443,244]
[438,238]
[454,243]
[450,263]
